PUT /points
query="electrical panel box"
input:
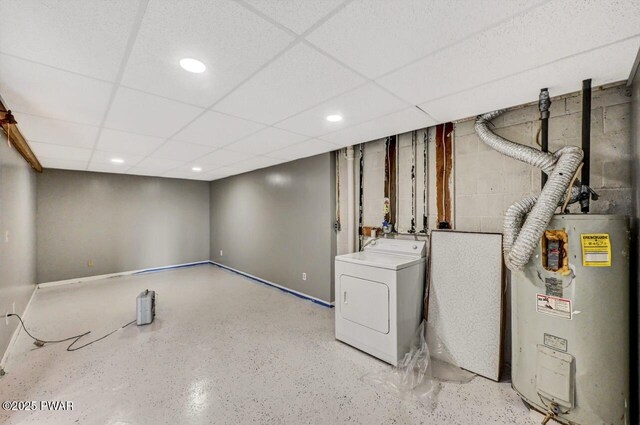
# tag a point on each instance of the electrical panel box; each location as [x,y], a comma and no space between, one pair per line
[553,255]
[555,251]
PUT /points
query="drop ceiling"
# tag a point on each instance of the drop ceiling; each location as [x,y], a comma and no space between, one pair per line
[91,80]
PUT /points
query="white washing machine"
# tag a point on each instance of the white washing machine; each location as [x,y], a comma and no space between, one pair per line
[379,296]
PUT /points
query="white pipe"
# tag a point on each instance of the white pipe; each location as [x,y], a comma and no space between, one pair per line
[351,200]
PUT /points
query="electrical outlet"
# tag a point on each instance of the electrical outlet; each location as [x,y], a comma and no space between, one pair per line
[304,276]
[90,262]
[221,253]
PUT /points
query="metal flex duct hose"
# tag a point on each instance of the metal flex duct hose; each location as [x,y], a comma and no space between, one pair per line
[526,220]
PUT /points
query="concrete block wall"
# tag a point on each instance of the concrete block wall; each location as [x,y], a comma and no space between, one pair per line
[487,183]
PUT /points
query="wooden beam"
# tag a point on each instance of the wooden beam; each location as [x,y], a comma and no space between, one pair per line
[444,167]
[367,230]
[17,140]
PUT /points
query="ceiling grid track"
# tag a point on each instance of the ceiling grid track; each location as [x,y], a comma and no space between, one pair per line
[535,67]
[293,43]
[322,59]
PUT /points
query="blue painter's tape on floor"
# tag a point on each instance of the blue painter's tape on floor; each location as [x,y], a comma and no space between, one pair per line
[181,266]
[264,282]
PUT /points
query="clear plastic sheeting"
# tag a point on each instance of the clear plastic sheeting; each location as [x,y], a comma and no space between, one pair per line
[444,367]
[418,377]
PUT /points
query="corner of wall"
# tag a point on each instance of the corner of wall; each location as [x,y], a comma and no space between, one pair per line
[635,224]
[18,240]
[334,233]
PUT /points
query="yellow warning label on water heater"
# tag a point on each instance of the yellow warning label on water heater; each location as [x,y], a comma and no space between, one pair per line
[596,250]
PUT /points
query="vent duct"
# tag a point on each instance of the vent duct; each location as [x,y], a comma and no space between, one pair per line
[526,220]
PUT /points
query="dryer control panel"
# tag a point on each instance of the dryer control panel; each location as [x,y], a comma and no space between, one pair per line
[389,246]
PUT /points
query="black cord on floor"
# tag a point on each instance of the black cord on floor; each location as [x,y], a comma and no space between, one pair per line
[41,342]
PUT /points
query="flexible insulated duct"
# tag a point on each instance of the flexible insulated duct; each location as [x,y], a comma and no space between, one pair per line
[526,220]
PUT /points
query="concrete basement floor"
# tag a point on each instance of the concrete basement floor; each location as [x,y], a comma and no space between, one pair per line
[223,349]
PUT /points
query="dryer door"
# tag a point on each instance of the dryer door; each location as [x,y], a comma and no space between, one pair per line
[365,302]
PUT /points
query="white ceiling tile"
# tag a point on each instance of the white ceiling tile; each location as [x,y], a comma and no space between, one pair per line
[375,37]
[265,141]
[47,130]
[220,173]
[138,171]
[127,143]
[143,113]
[297,80]
[158,165]
[362,104]
[212,176]
[88,37]
[454,59]
[226,172]
[62,164]
[302,150]
[216,129]
[604,66]
[224,157]
[399,122]
[181,151]
[43,91]
[541,36]
[46,150]
[100,157]
[185,174]
[258,162]
[229,39]
[103,167]
[296,15]
[204,169]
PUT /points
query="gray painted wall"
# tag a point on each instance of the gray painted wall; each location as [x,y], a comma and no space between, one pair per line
[276,223]
[17,248]
[635,224]
[120,222]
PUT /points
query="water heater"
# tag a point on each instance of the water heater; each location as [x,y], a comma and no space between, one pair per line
[570,321]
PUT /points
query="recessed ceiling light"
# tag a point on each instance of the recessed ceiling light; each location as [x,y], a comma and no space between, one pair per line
[196,169]
[334,118]
[117,160]
[192,65]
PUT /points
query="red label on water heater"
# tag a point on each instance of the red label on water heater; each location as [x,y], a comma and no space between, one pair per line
[553,306]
